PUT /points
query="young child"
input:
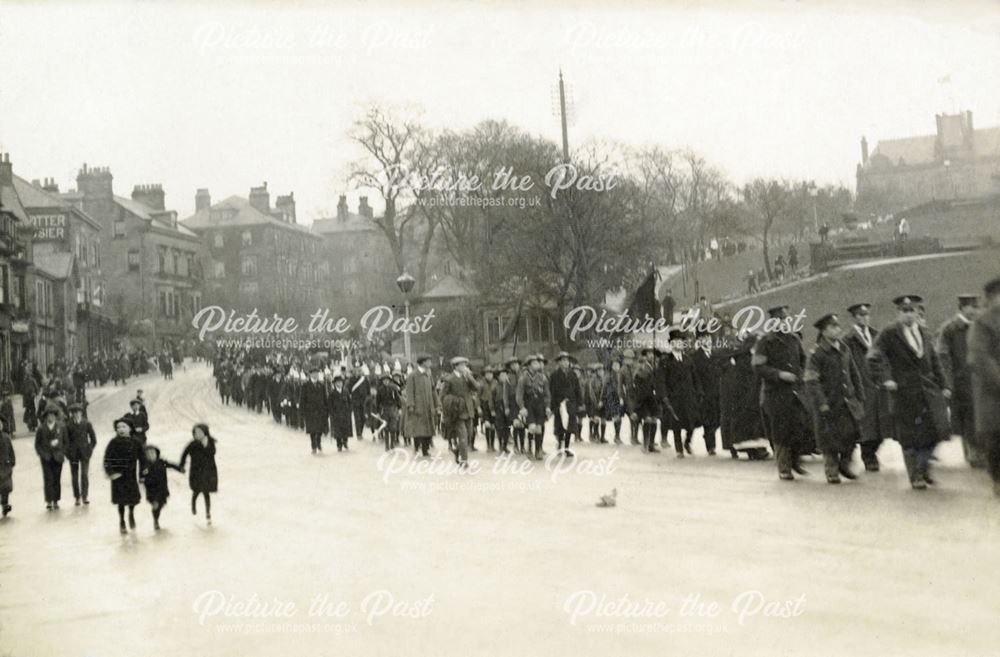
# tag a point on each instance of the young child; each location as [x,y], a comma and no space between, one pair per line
[204,475]
[7,463]
[121,463]
[154,476]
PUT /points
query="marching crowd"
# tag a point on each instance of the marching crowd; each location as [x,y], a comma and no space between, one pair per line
[858,387]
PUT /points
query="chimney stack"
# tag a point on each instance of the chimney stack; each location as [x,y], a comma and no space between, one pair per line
[202,199]
[364,209]
[285,205]
[260,199]
[342,208]
[864,151]
[50,185]
[94,182]
[149,195]
[6,170]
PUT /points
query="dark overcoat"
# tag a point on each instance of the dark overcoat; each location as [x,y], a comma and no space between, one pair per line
[832,379]
[122,456]
[918,407]
[203,475]
[984,360]
[313,406]
[877,422]
[421,404]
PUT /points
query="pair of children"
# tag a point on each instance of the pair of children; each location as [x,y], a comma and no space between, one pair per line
[124,457]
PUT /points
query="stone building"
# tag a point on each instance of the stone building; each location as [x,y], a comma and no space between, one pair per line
[151,261]
[15,232]
[66,287]
[958,161]
[260,257]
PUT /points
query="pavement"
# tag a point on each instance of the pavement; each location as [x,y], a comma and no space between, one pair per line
[359,554]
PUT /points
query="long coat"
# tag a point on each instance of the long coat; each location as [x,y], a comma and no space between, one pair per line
[313,406]
[7,463]
[739,394]
[50,444]
[984,359]
[421,404]
[832,379]
[154,478]
[786,418]
[919,408]
[677,384]
[203,476]
[877,422]
[708,376]
[340,412]
[122,456]
[952,350]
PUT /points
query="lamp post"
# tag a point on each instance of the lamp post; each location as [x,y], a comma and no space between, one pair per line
[814,192]
[405,283]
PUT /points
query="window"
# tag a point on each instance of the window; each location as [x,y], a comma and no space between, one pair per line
[248,266]
[189,265]
[248,287]
[119,229]
[4,282]
[247,238]
[220,270]
[494,329]
[161,262]
[133,260]
[175,265]
[195,302]
[219,241]
[541,328]
[17,293]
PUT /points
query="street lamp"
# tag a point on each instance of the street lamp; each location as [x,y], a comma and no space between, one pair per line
[405,283]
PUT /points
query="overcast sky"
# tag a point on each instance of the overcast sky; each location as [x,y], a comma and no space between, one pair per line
[229,97]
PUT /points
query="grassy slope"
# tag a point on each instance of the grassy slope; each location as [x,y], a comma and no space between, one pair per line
[939,280]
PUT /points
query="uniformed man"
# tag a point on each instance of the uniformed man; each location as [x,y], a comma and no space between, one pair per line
[513,366]
[876,425]
[504,408]
[951,345]
[533,399]
[486,392]
[627,379]
[458,405]
[779,360]
[678,394]
[564,386]
[904,362]
[708,373]
[647,403]
[836,391]
[984,359]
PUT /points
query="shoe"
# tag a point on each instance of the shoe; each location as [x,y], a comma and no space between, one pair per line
[918,484]
[6,510]
[680,455]
[798,469]
[131,522]
[928,480]
[833,479]
[208,519]
[121,527]
[711,452]
[86,501]
[77,503]
[734,454]
[156,525]
[687,447]
[48,506]
[872,466]
[569,453]
[786,476]
[55,506]
[847,474]
[618,441]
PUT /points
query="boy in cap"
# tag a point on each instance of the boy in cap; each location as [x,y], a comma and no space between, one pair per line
[50,445]
[457,403]
[486,410]
[81,441]
[951,345]
[834,385]
[594,395]
[647,402]
[504,408]
[904,362]
[517,429]
[533,403]
[140,421]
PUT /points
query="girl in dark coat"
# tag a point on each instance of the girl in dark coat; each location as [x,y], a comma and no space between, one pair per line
[154,476]
[204,475]
[122,460]
[7,463]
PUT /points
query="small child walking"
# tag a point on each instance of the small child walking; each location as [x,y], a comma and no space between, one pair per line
[203,475]
[154,477]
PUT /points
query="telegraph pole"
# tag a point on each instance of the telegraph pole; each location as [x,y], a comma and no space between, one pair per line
[562,117]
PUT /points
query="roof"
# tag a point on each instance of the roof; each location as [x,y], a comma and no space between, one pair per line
[353,222]
[11,202]
[449,287]
[57,265]
[33,197]
[244,215]
[147,213]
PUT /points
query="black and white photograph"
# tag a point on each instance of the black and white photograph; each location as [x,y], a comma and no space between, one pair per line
[499,328]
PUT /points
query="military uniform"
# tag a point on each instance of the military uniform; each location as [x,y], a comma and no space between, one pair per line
[458,393]
[533,398]
[836,391]
[785,417]
[647,403]
[951,345]
[876,425]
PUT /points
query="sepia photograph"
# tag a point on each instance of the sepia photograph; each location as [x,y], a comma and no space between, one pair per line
[501,328]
